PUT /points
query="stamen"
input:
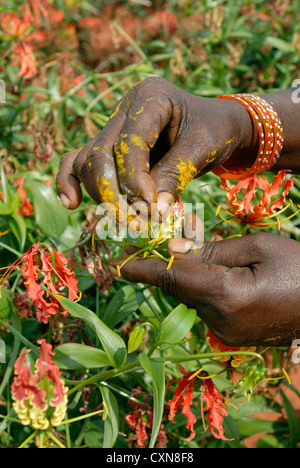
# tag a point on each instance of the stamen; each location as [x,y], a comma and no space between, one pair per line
[14,265]
[5,232]
[212,375]
[158,239]
[170,262]
[195,373]
[79,297]
[287,376]
[118,271]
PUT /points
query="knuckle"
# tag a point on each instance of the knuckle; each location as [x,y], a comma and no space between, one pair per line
[167,281]
[258,241]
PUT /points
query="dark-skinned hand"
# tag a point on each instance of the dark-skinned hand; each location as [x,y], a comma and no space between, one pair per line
[158,138]
[247,289]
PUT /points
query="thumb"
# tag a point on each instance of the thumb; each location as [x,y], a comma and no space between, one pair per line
[236,252]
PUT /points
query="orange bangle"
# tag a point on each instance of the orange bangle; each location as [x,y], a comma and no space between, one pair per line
[270,132]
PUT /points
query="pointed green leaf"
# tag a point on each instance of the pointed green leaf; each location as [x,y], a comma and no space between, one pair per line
[155,368]
[77,356]
[18,227]
[50,214]
[112,343]
[293,421]
[111,423]
[6,305]
[123,303]
[176,326]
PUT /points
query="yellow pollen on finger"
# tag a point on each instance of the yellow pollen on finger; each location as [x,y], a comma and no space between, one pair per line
[187,172]
[116,111]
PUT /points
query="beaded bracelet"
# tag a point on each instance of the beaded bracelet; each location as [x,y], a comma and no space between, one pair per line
[270,132]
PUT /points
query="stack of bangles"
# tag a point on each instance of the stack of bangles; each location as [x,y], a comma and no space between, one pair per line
[270,133]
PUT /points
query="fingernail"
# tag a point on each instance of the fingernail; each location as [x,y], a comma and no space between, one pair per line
[161,209]
[164,200]
[65,200]
[180,245]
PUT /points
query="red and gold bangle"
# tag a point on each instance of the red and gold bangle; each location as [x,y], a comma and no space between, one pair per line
[270,133]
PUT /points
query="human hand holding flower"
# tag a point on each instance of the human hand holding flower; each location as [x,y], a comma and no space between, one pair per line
[247,289]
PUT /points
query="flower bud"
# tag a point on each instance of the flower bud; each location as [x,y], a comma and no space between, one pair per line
[253,375]
[135,338]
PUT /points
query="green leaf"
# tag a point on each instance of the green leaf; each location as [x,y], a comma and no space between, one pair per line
[50,214]
[279,44]
[271,441]
[124,302]
[77,356]
[5,188]
[150,309]
[155,368]
[18,228]
[176,326]
[112,343]
[111,422]
[6,305]
[293,421]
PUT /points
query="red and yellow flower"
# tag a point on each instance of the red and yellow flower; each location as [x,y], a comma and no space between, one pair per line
[39,393]
[215,403]
[236,359]
[43,266]
[240,199]
[140,420]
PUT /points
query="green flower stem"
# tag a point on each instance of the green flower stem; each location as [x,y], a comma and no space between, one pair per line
[213,227]
[50,330]
[193,357]
[84,416]
[21,337]
[10,365]
[101,376]
[18,254]
[10,419]
[160,256]
[32,436]
[55,439]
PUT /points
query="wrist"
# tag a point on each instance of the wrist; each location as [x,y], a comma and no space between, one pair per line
[246,136]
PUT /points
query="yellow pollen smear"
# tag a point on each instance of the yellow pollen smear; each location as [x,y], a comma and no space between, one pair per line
[116,111]
[187,172]
[138,141]
[106,192]
[141,110]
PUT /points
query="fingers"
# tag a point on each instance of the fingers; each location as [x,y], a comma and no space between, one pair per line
[146,118]
[176,169]
[185,281]
[67,184]
[237,252]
